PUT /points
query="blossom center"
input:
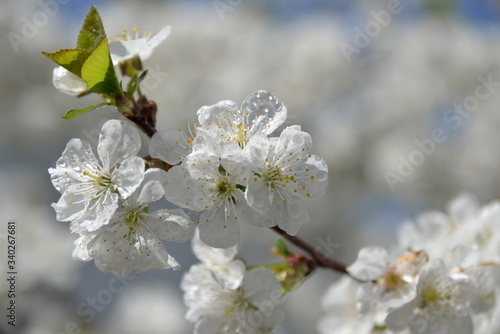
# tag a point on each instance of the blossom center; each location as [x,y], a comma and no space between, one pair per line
[239,304]
[273,175]
[431,296]
[239,136]
[101,180]
[125,35]
[484,237]
[393,280]
[224,188]
[132,219]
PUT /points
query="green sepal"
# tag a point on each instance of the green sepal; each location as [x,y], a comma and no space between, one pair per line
[132,85]
[282,249]
[99,73]
[70,59]
[91,32]
[77,112]
[291,276]
[142,76]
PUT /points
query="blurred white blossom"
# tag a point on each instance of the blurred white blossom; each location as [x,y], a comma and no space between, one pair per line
[127,44]
[220,298]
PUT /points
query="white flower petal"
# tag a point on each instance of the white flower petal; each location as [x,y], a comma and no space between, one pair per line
[67,83]
[170,145]
[70,165]
[462,325]
[171,225]
[129,176]
[211,325]
[266,112]
[99,212]
[260,287]
[81,253]
[257,151]
[70,206]
[182,190]
[399,319]
[153,42]
[370,263]
[118,140]
[257,195]
[222,112]
[226,271]
[84,213]
[427,324]
[289,212]
[142,46]
[151,189]
[230,275]
[463,207]
[113,252]
[211,256]
[203,165]
[219,229]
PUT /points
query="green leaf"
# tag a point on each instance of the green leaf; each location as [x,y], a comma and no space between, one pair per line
[77,112]
[99,73]
[70,59]
[92,29]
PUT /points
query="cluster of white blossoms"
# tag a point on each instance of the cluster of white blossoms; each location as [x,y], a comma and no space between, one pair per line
[443,278]
[222,296]
[107,202]
[229,168]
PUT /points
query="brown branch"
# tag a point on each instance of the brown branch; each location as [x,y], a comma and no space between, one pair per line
[320,258]
[143,125]
[142,112]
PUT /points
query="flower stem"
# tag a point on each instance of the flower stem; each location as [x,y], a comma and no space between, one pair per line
[319,258]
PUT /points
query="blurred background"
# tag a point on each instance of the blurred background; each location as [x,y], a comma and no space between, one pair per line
[372,81]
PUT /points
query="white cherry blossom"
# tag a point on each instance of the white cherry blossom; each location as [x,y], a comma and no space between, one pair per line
[91,187]
[442,304]
[340,305]
[387,282]
[260,112]
[284,175]
[250,308]
[214,184]
[226,270]
[131,241]
[126,45]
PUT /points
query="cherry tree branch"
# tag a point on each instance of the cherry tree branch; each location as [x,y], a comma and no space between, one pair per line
[319,257]
[144,115]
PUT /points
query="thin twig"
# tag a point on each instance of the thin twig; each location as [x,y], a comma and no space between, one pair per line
[319,257]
